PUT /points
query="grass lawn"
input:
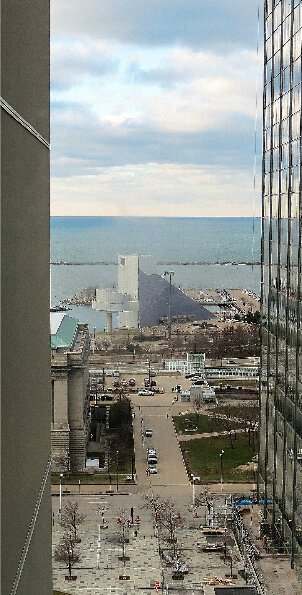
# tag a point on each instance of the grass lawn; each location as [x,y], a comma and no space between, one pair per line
[202,457]
[204,424]
[87,478]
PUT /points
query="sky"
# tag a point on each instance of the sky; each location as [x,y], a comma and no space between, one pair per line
[154,107]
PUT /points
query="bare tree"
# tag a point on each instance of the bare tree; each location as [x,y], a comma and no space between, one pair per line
[71,518]
[123,523]
[154,503]
[168,518]
[67,551]
[62,461]
[197,404]
[165,514]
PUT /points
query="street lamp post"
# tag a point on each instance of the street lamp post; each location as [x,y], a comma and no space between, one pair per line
[117,470]
[60,505]
[193,483]
[221,468]
[149,365]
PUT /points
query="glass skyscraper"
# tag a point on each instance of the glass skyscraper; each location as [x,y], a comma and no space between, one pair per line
[280,460]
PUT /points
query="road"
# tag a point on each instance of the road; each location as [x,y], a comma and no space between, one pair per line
[156,413]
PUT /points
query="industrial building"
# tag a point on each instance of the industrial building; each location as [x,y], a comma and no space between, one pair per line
[144,297]
[70,343]
[280,461]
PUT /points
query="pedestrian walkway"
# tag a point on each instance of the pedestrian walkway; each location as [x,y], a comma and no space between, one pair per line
[108,562]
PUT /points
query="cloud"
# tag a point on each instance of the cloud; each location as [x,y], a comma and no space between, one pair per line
[163,82]
[157,190]
[158,22]
[81,141]
[76,62]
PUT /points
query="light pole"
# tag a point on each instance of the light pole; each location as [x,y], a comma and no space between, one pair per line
[193,482]
[221,468]
[60,506]
[170,273]
[117,470]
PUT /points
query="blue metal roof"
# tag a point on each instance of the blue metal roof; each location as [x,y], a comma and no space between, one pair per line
[63,331]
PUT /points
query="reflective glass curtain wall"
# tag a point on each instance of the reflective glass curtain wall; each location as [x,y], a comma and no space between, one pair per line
[280,460]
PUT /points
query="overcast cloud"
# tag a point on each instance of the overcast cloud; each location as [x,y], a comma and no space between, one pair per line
[153,107]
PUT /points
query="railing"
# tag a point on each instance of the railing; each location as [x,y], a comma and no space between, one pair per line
[248,549]
[30,530]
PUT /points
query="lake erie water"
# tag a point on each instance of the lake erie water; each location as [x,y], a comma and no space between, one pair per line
[91,246]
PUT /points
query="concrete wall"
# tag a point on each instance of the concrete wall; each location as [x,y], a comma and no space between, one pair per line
[25,354]
[128,275]
[60,401]
[69,431]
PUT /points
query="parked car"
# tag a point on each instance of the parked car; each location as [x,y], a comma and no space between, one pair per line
[152,469]
[152,460]
[146,392]
[116,373]
[149,433]
[124,383]
[151,449]
[109,373]
[131,381]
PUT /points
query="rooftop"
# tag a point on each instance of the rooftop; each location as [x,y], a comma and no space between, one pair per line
[63,330]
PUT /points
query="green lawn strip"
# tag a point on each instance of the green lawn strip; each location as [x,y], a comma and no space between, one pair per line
[203,423]
[88,478]
[202,457]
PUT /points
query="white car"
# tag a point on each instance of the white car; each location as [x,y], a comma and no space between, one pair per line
[152,469]
[146,392]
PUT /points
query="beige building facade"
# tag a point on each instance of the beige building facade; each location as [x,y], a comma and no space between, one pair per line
[70,342]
